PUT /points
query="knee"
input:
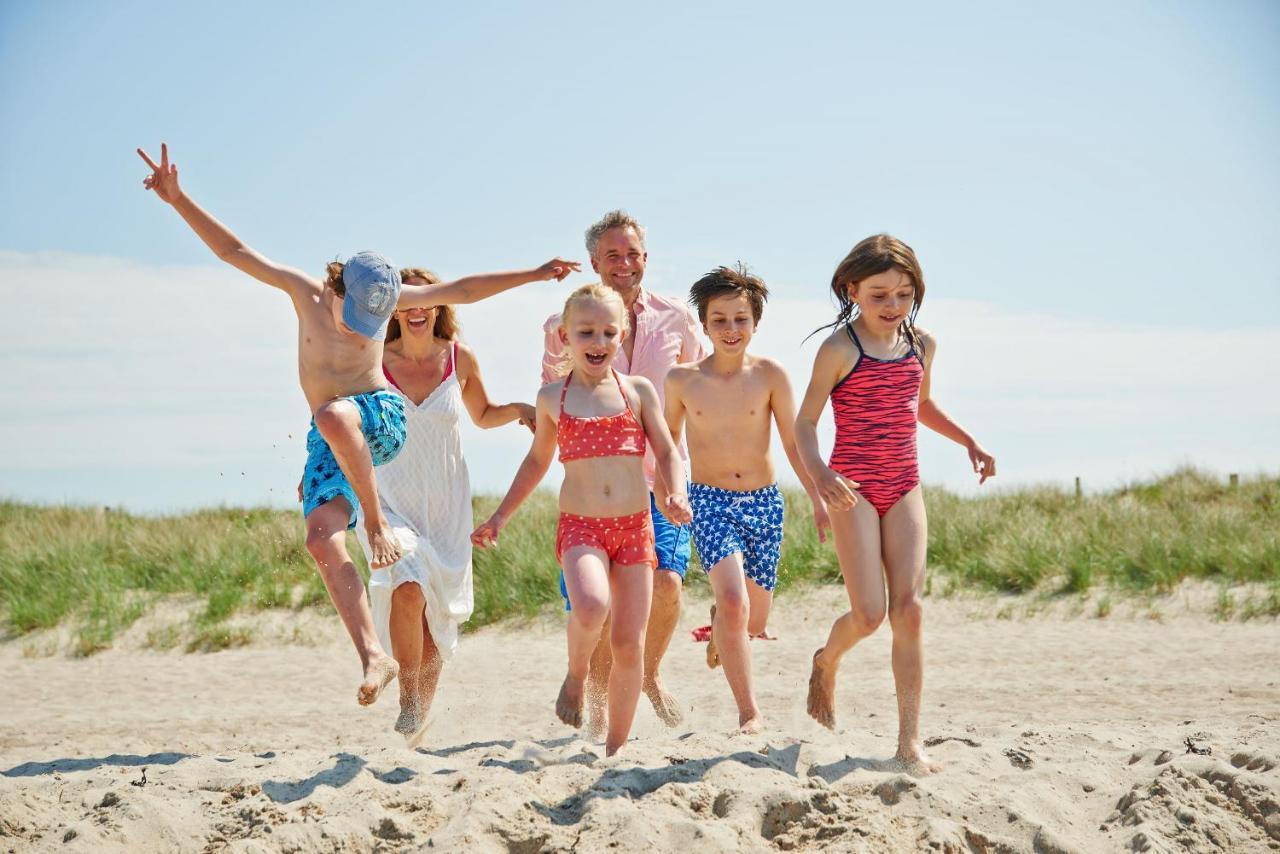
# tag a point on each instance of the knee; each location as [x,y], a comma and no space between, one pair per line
[408,595]
[333,416]
[320,545]
[865,621]
[907,615]
[628,650]
[590,611]
[667,587]
[732,611]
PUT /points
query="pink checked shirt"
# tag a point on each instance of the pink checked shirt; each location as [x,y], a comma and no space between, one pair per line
[666,334]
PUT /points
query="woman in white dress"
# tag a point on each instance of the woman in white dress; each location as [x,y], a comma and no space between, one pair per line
[419,602]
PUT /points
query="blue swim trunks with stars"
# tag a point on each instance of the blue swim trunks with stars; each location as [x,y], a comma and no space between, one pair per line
[726,521]
[381,421]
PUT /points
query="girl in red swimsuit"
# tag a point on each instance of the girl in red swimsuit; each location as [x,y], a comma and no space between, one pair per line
[875,368]
[604,541]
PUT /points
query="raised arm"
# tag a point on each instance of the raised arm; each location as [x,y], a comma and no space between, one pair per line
[936,419]
[828,367]
[783,404]
[527,478]
[163,180]
[485,413]
[475,288]
[669,484]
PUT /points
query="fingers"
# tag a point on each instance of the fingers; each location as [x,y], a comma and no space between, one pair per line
[149,161]
[484,536]
[164,155]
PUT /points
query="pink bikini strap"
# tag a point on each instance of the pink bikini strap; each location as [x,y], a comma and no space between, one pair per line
[453,359]
[625,400]
[564,390]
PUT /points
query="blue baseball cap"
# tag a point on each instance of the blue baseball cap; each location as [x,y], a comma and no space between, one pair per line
[372,285]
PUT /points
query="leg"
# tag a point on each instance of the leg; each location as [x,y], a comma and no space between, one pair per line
[664,616]
[327,543]
[905,541]
[339,423]
[428,678]
[586,577]
[729,627]
[631,588]
[598,683]
[761,602]
[857,536]
[405,628]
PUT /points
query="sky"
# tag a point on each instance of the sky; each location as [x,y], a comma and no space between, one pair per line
[1093,192]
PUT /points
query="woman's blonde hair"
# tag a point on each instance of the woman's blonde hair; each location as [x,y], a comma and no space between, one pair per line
[446,325]
[594,292]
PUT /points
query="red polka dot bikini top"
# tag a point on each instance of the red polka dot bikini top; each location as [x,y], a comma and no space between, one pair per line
[584,437]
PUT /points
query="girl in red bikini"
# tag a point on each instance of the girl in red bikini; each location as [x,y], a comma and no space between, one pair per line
[875,368]
[604,541]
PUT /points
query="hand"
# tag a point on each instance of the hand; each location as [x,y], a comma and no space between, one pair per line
[527,416]
[163,178]
[837,491]
[557,268]
[821,520]
[487,534]
[676,508]
[984,465]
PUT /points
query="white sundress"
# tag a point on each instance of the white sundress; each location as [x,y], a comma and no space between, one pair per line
[426,488]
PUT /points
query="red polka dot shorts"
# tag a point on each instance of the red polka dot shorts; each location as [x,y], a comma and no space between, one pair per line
[627,540]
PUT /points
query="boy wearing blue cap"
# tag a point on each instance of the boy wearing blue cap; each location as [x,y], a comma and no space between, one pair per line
[356,422]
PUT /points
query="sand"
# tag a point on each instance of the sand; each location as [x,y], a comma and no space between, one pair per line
[1059,732]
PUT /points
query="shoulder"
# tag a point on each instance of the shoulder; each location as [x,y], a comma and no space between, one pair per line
[769,368]
[836,343]
[551,323]
[683,372]
[928,342]
[550,393]
[639,387]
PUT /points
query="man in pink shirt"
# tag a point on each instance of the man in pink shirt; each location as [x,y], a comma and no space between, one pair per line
[664,332]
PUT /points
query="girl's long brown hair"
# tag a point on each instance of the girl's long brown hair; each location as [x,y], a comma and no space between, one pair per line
[446,325]
[878,253]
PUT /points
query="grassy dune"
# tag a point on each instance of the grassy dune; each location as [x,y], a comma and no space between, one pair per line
[97,571]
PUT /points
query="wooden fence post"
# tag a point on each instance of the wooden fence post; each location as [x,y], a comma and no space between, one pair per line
[1235,481]
[1079,493]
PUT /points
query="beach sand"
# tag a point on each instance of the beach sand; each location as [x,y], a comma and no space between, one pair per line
[1059,732]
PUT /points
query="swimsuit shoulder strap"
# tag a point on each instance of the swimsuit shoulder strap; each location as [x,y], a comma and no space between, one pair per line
[626,401]
[853,336]
[564,389]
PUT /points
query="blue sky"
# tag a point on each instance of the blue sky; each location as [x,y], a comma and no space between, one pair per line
[1093,190]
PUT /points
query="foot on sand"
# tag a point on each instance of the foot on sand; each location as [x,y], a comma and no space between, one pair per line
[752,725]
[915,761]
[410,720]
[663,703]
[569,703]
[383,545]
[713,654]
[822,693]
[377,675]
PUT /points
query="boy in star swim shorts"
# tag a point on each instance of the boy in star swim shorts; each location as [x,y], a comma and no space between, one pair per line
[356,423]
[727,401]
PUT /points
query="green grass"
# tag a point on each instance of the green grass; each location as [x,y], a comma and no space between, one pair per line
[97,571]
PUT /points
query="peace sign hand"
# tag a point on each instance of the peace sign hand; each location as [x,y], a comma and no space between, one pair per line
[164,177]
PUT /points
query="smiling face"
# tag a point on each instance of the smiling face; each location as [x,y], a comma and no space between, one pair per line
[885,299]
[592,331]
[730,323]
[417,323]
[620,258]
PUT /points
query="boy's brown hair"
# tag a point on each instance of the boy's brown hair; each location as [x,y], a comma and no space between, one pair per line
[729,281]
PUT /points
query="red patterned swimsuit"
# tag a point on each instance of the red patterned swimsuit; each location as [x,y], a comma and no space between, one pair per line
[875,408]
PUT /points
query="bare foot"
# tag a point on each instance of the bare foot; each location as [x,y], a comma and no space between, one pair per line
[752,725]
[410,719]
[569,703]
[377,675]
[384,548]
[663,703]
[597,713]
[713,654]
[915,761]
[822,693]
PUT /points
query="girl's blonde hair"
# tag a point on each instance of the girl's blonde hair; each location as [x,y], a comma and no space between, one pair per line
[594,292]
[446,325]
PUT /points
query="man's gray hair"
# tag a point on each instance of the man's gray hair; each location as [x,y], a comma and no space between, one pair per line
[613,219]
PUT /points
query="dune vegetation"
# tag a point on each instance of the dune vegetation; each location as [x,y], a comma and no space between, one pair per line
[95,571]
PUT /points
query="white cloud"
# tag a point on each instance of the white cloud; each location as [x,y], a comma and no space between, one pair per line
[157,387]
